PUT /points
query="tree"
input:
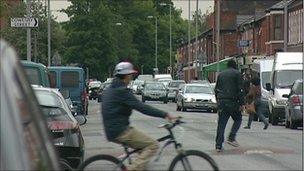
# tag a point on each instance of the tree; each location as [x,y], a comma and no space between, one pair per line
[17,36]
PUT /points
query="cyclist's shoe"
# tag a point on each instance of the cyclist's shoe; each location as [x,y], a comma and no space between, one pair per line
[246,127]
[234,143]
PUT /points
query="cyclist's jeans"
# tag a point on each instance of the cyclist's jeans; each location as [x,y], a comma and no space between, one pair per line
[227,109]
[135,139]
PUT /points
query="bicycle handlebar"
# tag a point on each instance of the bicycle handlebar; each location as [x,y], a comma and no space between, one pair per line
[171,125]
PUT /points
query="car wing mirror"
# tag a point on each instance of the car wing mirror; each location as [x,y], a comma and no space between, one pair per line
[268,87]
[65,93]
[81,119]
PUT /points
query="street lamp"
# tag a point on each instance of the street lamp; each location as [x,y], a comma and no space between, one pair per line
[150,17]
[164,4]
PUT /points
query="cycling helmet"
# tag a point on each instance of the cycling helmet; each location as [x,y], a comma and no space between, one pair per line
[124,68]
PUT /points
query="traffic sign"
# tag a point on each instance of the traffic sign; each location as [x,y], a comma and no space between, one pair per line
[24,22]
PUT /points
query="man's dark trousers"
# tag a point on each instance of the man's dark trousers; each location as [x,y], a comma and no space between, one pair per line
[227,108]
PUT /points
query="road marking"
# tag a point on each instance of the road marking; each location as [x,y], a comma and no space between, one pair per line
[258,152]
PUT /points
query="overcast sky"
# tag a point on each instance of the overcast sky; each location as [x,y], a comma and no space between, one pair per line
[179,4]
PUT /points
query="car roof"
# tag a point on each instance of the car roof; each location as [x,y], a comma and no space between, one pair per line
[52,90]
[32,64]
[65,68]
[198,84]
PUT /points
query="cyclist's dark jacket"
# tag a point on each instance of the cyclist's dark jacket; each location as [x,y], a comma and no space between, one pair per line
[117,104]
[229,87]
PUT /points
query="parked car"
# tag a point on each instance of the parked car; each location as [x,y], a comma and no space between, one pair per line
[294,106]
[72,79]
[136,86]
[145,77]
[24,137]
[64,127]
[37,73]
[154,91]
[172,89]
[162,76]
[196,96]
[287,67]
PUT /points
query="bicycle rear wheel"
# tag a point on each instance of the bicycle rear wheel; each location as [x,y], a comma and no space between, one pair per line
[102,162]
[193,160]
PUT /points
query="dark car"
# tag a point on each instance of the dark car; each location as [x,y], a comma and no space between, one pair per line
[64,128]
[94,89]
[154,91]
[172,89]
[294,106]
[25,142]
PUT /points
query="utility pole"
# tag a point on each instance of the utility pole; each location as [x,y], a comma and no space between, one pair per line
[28,32]
[196,34]
[171,68]
[218,28]
[189,39]
[156,42]
[49,33]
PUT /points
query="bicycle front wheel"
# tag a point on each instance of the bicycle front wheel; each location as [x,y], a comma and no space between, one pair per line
[102,162]
[193,160]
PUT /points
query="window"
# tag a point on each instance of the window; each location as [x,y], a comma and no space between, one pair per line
[70,79]
[33,75]
[53,78]
[277,27]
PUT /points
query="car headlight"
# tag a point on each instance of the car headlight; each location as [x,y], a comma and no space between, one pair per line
[90,91]
[188,99]
[213,100]
[281,102]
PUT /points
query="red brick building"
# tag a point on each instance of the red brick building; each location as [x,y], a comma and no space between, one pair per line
[231,14]
[295,25]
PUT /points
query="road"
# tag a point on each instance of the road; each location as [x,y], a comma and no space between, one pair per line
[276,148]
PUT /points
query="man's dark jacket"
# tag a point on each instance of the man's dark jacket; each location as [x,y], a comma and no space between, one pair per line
[229,87]
[117,104]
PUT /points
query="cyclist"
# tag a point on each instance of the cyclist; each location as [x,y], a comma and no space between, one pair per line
[117,104]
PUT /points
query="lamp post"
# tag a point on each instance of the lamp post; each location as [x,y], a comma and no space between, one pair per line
[150,17]
[218,38]
[164,4]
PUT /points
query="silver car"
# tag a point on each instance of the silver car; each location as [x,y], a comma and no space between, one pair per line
[154,91]
[196,96]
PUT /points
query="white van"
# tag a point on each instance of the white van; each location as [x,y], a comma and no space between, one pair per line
[263,68]
[287,67]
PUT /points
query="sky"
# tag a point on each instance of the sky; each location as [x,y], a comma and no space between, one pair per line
[179,4]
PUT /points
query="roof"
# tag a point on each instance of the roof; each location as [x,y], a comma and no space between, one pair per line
[65,68]
[30,63]
[279,5]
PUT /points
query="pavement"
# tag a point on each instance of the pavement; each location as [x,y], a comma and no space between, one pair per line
[276,148]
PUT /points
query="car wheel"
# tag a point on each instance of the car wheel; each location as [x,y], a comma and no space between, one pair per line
[87,110]
[274,119]
[90,98]
[166,101]
[293,124]
[184,109]
[143,99]
[287,123]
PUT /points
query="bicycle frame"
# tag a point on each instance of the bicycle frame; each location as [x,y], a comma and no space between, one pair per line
[171,140]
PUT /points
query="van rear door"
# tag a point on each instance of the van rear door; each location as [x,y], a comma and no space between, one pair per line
[72,80]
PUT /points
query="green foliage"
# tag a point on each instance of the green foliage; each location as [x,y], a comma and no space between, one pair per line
[95,40]
[17,36]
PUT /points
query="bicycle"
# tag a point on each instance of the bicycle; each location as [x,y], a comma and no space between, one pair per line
[182,156]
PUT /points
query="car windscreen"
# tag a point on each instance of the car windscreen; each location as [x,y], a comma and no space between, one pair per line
[175,84]
[155,87]
[55,113]
[199,89]
[47,98]
[33,75]
[70,79]
[285,78]
[265,78]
